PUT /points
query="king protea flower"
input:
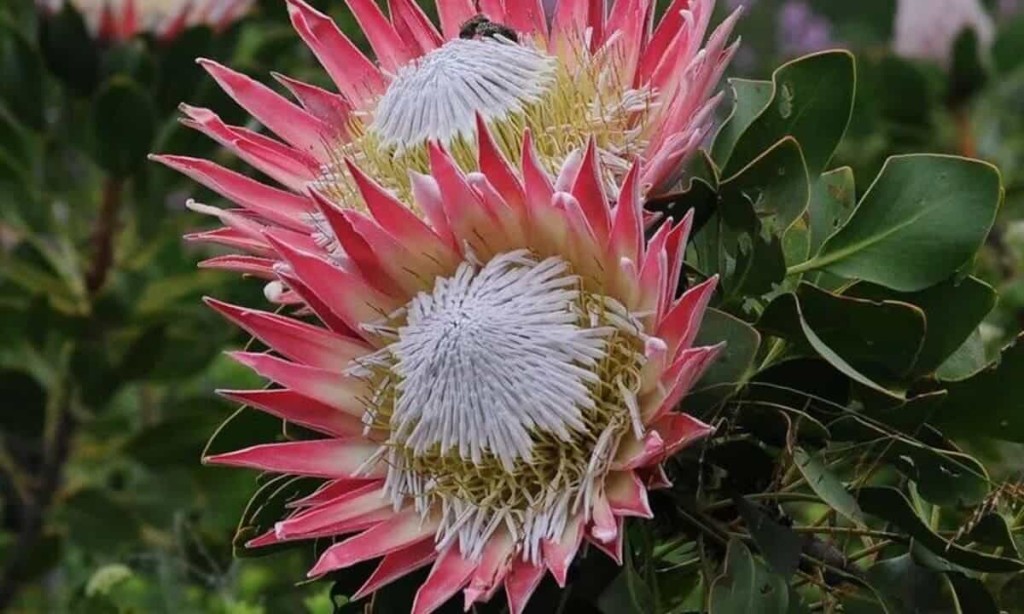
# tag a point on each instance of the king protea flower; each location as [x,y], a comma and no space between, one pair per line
[639,91]
[119,20]
[494,385]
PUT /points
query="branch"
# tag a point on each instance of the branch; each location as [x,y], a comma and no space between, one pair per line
[35,507]
[104,234]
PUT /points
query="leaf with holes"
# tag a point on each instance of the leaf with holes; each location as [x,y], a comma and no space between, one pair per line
[775,183]
[812,100]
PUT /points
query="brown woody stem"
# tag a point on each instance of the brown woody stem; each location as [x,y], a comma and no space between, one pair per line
[104,234]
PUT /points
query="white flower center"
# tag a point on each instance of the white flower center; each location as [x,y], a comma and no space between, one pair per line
[491,355]
[503,395]
[438,97]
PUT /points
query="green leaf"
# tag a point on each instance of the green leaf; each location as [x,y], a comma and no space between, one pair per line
[36,281]
[775,183]
[45,556]
[833,197]
[734,365]
[910,416]
[749,99]
[748,467]
[269,505]
[967,361]
[784,318]
[143,354]
[244,428]
[972,596]
[943,477]
[759,267]
[627,594]
[907,586]
[860,338]
[776,424]
[124,125]
[1013,590]
[891,505]
[994,530]
[182,435]
[988,404]
[796,243]
[924,217]
[17,149]
[826,485]
[166,294]
[104,579]
[736,246]
[747,586]
[179,75]
[21,77]
[132,60]
[812,99]
[70,51]
[903,94]
[1008,49]
[953,310]
[700,197]
[89,513]
[26,399]
[780,545]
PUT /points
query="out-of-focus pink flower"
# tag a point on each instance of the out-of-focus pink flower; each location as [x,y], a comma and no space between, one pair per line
[115,20]
[495,385]
[928,29]
[637,89]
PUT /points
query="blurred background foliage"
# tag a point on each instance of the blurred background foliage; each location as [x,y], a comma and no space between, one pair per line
[108,357]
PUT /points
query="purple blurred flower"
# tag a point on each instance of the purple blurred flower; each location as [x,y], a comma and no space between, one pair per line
[802,30]
[1010,8]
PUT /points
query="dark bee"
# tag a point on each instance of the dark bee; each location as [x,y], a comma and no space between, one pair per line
[480,26]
